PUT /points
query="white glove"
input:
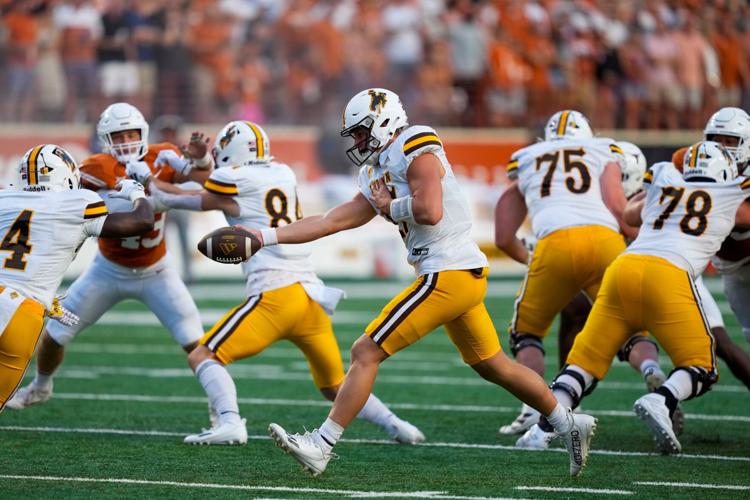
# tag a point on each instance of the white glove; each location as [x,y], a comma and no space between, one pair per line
[138,170]
[59,313]
[129,190]
[177,162]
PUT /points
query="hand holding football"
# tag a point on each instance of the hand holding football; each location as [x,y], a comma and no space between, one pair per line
[229,245]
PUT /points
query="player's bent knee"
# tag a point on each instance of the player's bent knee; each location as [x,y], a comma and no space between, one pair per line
[330,392]
[365,350]
[521,341]
[624,353]
[701,378]
[199,355]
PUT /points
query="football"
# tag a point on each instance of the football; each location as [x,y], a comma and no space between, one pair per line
[229,245]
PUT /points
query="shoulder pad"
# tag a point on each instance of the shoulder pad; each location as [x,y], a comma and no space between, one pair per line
[419,139]
[99,172]
[222,181]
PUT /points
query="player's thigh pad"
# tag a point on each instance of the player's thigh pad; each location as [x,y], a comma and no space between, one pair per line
[169,298]
[92,294]
[313,335]
[256,323]
[563,263]
[434,299]
[17,344]
[608,326]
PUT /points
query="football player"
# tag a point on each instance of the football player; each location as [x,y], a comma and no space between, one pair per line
[731,128]
[651,286]
[406,178]
[134,267]
[285,298]
[570,184]
[44,220]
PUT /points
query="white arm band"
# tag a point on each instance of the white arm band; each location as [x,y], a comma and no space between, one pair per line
[269,236]
[401,209]
[184,201]
[206,162]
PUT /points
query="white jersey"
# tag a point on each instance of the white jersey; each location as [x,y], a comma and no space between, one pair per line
[267,197]
[41,233]
[685,222]
[447,245]
[559,180]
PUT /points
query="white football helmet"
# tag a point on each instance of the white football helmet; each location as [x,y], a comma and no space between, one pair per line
[567,124]
[732,122]
[372,118]
[48,167]
[118,117]
[633,168]
[709,161]
[241,143]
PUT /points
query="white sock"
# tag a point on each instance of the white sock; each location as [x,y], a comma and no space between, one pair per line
[680,384]
[649,367]
[330,432]
[220,389]
[374,411]
[43,381]
[561,419]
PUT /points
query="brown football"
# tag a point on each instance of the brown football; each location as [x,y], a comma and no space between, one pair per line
[229,245]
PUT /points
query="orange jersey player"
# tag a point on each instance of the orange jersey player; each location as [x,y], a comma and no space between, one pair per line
[134,267]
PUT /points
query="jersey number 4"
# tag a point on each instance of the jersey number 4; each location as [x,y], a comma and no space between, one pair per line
[572,160]
[16,240]
[697,207]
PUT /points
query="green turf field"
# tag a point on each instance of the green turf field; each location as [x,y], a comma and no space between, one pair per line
[125,398]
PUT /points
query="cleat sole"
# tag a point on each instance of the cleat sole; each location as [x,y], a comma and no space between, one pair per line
[666,444]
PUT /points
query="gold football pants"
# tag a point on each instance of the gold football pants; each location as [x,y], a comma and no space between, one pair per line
[286,313]
[453,299]
[641,292]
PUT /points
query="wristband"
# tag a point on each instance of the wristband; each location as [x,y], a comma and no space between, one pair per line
[269,236]
[205,162]
[401,209]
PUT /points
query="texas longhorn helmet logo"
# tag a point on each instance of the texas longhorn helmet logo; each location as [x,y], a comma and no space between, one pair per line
[377,100]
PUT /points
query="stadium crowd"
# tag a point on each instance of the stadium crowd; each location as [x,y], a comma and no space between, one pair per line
[640,64]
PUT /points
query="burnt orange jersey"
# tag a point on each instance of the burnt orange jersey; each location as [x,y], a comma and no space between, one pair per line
[678,157]
[103,171]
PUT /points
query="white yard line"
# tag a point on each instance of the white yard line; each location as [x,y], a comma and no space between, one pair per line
[436,444]
[147,398]
[694,485]
[242,487]
[594,491]
[255,371]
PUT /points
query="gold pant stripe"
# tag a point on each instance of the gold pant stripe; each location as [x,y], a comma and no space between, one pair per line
[230,323]
[404,308]
[707,326]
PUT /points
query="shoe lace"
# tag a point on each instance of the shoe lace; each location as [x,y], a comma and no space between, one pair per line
[309,438]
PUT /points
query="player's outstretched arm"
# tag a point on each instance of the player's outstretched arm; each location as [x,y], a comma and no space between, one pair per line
[171,196]
[510,212]
[349,215]
[614,197]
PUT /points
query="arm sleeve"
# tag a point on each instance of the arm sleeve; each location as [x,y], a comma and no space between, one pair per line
[425,140]
[512,167]
[94,213]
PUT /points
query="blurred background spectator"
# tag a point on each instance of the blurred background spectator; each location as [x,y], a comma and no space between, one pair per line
[637,64]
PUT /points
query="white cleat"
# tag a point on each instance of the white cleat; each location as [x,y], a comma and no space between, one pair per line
[403,432]
[222,434]
[523,422]
[29,396]
[578,440]
[304,448]
[535,439]
[653,382]
[652,409]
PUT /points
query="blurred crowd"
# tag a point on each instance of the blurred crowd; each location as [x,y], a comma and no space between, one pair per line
[629,64]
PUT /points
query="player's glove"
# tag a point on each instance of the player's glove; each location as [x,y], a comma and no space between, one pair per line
[129,190]
[178,163]
[59,313]
[138,170]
